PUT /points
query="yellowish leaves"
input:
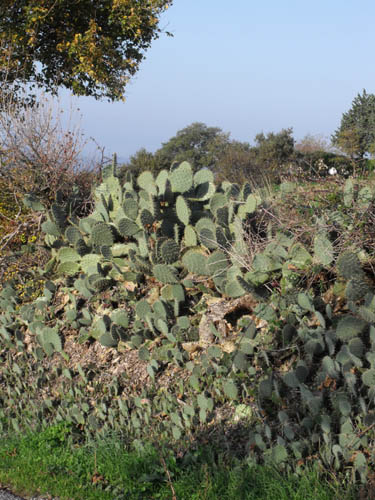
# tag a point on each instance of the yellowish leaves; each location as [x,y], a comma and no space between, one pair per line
[92,42]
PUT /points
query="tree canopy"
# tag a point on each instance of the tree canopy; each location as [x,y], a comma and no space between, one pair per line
[356,134]
[90,47]
[275,149]
[197,143]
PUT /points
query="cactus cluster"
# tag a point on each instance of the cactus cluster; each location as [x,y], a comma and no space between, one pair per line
[146,270]
[160,228]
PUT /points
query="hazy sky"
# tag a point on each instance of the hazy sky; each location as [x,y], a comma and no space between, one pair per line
[245,66]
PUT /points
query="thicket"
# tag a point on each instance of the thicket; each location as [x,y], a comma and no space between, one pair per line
[273,158]
[40,151]
[217,317]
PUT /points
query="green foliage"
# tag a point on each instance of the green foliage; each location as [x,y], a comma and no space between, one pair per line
[267,332]
[356,134]
[196,143]
[275,149]
[92,50]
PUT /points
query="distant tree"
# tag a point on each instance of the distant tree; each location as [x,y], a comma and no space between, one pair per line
[356,134]
[199,144]
[274,150]
[87,46]
[140,161]
[237,163]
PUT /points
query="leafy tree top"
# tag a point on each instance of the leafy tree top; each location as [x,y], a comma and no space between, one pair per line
[197,143]
[275,149]
[356,134]
[90,47]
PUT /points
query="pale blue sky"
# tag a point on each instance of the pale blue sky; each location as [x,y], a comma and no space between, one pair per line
[245,66]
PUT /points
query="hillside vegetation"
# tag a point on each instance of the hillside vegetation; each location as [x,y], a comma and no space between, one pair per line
[184,311]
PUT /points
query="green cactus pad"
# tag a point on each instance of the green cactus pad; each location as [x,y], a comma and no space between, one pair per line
[248,207]
[291,380]
[161,181]
[146,218]
[245,191]
[33,202]
[367,314]
[217,263]
[368,378]
[222,238]
[106,252]
[127,227]
[81,286]
[86,224]
[217,201]
[143,309]
[146,181]
[130,207]
[181,178]
[299,256]
[207,238]
[50,340]
[169,251]
[121,249]
[51,228]
[365,197]
[50,265]
[204,191]
[182,210]
[323,249]
[234,289]
[356,347]
[120,318]
[59,215]
[72,234]
[350,327]
[190,236]
[107,340]
[90,262]
[67,254]
[68,268]
[142,265]
[102,234]
[222,216]
[349,265]
[265,388]
[203,176]
[246,285]
[205,223]
[356,288]
[178,293]
[164,273]
[102,284]
[230,389]
[195,262]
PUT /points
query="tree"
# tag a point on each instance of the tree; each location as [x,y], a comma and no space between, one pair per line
[199,144]
[274,150]
[237,163]
[90,47]
[356,134]
[139,162]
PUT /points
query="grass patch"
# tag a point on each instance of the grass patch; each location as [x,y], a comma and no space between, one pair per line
[51,462]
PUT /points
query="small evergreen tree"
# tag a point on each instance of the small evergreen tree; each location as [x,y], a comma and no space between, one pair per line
[356,134]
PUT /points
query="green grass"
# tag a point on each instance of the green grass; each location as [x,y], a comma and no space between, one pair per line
[50,462]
